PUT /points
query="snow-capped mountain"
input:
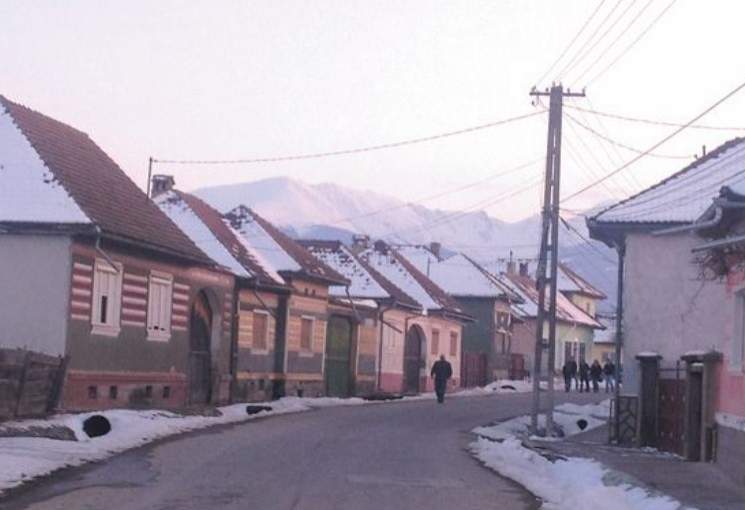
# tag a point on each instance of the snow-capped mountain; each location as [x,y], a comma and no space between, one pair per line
[330,211]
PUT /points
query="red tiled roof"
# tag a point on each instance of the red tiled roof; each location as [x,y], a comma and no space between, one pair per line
[100,188]
[585,287]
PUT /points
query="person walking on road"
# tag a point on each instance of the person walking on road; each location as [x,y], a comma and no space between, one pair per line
[584,376]
[609,372]
[596,373]
[441,372]
[569,371]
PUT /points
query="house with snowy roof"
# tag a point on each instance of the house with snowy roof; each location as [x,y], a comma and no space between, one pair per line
[305,325]
[279,305]
[575,328]
[424,324]
[93,270]
[487,341]
[371,306]
[680,292]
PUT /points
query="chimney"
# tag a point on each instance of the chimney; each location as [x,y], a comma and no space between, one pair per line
[381,246]
[361,241]
[435,248]
[511,267]
[523,269]
[161,184]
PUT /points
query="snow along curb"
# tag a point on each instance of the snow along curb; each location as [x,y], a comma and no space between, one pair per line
[565,483]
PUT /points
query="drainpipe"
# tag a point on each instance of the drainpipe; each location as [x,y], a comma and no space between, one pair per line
[100,250]
[621,250]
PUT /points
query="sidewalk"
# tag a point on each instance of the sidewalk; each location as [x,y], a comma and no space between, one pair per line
[695,484]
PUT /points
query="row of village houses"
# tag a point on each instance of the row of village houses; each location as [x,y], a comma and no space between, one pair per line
[165,301]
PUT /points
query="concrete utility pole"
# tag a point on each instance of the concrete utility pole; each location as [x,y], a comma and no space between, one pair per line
[549,246]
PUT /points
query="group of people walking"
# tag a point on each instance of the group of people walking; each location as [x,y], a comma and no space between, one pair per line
[583,373]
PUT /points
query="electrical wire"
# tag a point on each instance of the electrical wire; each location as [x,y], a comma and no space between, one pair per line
[608,30]
[571,43]
[654,146]
[632,44]
[623,145]
[571,63]
[615,41]
[370,148]
[651,122]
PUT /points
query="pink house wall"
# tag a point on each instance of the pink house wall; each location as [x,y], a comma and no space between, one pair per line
[731,394]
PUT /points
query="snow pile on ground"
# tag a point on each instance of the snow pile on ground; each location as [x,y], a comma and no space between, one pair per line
[500,386]
[566,416]
[24,458]
[572,484]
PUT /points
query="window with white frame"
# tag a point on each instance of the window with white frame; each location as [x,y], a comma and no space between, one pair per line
[107,298]
[737,357]
[159,293]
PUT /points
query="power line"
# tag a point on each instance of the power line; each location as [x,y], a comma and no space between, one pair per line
[633,43]
[369,148]
[432,197]
[623,145]
[589,40]
[618,38]
[658,144]
[652,122]
[581,236]
[605,34]
[574,39]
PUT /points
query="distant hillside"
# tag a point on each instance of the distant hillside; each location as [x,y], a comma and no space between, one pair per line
[329,211]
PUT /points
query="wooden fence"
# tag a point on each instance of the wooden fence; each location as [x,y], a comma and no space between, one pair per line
[30,383]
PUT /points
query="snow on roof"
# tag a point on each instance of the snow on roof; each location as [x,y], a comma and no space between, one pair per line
[262,243]
[187,220]
[29,191]
[342,260]
[392,269]
[685,195]
[420,256]
[571,281]
[457,275]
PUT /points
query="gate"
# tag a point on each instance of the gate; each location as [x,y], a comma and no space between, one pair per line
[338,357]
[413,359]
[474,369]
[671,408]
[200,359]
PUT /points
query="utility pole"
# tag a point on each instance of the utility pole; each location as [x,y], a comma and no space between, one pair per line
[549,248]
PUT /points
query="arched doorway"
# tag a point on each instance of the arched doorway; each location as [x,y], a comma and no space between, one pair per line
[200,358]
[338,364]
[413,358]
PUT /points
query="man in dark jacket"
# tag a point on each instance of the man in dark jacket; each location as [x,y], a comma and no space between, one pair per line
[441,371]
[596,373]
[584,376]
[569,371]
[609,372]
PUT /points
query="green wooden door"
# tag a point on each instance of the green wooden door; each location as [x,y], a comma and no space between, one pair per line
[338,357]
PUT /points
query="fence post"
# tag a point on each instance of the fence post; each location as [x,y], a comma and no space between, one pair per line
[22,381]
[649,398]
[55,395]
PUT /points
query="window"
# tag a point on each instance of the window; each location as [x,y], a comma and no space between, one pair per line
[453,343]
[306,333]
[160,289]
[260,329]
[503,343]
[107,298]
[738,340]
[92,392]
[435,345]
[113,392]
[166,392]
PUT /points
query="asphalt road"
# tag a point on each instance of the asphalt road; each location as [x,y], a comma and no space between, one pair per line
[406,455]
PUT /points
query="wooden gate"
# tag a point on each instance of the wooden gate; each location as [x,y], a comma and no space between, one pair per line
[200,359]
[671,408]
[338,357]
[412,359]
[474,369]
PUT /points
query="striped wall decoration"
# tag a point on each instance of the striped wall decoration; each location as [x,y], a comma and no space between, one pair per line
[227,316]
[134,299]
[81,290]
[180,307]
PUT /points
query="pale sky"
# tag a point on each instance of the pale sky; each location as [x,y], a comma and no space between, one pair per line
[240,79]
